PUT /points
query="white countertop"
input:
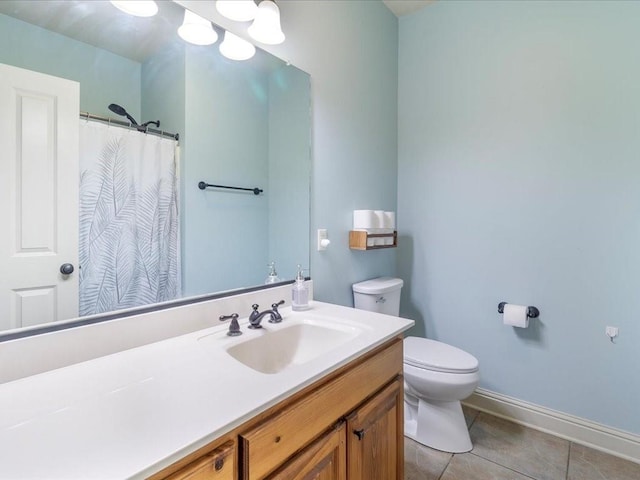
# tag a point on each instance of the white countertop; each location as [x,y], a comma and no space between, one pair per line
[132,413]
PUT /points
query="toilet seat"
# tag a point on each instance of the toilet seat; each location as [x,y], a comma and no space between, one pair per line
[437,356]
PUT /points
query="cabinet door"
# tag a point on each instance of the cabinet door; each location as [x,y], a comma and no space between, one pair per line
[375,445]
[216,465]
[324,459]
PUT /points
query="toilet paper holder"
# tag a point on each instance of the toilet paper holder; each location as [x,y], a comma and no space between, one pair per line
[532,312]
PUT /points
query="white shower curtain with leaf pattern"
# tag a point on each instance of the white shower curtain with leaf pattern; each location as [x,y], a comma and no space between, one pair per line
[129,228]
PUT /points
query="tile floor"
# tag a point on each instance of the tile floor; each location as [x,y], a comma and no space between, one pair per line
[503,450]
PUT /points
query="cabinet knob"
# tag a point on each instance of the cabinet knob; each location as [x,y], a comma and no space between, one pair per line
[219,463]
[359,434]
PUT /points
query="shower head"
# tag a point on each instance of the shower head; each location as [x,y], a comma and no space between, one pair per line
[118,110]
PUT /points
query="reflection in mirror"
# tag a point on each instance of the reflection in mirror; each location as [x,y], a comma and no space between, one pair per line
[241,124]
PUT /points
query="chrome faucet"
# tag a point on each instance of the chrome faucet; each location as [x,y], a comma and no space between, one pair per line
[256,317]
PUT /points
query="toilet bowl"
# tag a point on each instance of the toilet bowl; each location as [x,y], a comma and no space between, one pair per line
[436,375]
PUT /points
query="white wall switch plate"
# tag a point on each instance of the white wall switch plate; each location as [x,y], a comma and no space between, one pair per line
[323,239]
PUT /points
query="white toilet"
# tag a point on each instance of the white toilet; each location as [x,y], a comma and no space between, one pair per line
[436,375]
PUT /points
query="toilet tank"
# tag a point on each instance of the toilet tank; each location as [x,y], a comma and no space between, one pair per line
[380,295]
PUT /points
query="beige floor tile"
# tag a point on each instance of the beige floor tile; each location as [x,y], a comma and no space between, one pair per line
[423,463]
[589,464]
[467,466]
[470,414]
[536,454]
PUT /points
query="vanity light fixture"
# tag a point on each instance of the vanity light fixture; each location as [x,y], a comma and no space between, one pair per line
[238,10]
[138,8]
[197,30]
[236,48]
[266,27]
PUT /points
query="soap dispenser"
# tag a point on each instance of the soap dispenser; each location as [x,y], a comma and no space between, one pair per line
[299,293]
[273,276]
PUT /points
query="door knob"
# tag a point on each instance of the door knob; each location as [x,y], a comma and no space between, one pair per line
[66,269]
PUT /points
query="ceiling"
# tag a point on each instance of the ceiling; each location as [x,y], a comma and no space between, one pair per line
[405,7]
[77,19]
[99,24]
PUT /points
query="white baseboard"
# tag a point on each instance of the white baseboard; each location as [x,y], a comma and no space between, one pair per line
[579,430]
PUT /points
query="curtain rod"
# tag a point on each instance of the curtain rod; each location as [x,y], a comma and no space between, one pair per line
[121,123]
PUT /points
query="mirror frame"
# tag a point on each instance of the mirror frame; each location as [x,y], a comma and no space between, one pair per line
[119,314]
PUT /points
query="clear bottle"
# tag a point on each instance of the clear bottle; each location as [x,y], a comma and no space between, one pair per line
[299,293]
[273,276]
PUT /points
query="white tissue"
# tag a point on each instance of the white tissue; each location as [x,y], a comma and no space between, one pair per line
[515,315]
[375,222]
[390,220]
[371,241]
[379,214]
[364,219]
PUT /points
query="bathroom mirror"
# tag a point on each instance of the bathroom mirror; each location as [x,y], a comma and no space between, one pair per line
[241,124]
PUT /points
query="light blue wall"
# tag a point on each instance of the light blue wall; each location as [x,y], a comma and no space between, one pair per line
[245,126]
[163,89]
[289,169]
[519,149]
[350,50]
[103,76]
[227,144]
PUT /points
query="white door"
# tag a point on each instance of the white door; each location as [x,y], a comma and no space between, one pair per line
[38,197]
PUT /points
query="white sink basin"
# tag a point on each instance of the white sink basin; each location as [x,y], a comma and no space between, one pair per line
[274,351]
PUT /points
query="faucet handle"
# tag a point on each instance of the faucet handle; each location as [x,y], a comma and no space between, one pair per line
[275,316]
[234,326]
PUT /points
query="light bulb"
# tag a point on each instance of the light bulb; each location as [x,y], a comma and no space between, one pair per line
[139,8]
[197,30]
[238,10]
[236,48]
[266,27]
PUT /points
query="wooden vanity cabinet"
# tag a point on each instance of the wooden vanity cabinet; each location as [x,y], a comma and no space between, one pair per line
[346,426]
[368,395]
[365,446]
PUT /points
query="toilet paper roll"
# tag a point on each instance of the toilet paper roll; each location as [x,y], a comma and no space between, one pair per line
[387,240]
[363,219]
[374,241]
[379,214]
[515,315]
[390,220]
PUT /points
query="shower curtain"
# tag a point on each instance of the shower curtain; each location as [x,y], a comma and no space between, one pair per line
[129,228]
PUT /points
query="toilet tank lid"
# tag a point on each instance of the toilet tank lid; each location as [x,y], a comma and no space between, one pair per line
[438,356]
[378,285]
